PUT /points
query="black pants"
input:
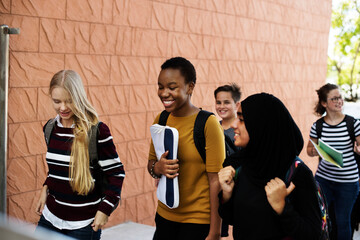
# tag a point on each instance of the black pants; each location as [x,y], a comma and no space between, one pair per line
[166,229]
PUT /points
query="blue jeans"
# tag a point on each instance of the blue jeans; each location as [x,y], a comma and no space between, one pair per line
[85,233]
[342,196]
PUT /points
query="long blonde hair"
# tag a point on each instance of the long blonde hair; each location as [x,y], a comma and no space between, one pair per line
[85,116]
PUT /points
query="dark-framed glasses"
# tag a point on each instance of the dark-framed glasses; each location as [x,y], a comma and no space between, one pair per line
[336,99]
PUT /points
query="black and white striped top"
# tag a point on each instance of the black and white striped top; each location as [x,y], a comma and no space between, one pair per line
[338,137]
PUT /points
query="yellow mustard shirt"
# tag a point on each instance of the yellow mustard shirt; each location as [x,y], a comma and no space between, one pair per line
[194,204]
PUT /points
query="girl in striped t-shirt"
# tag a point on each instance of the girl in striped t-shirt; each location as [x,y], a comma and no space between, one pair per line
[340,185]
[70,202]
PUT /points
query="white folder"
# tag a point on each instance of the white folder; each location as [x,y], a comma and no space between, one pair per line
[166,138]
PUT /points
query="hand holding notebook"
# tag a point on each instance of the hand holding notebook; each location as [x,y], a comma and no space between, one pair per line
[166,138]
[329,153]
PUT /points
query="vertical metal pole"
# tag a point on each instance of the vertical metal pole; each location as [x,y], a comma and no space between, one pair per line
[4,75]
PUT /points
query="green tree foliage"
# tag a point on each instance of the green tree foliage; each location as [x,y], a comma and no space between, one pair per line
[344,62]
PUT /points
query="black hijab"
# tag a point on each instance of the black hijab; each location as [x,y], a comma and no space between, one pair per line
[275,139]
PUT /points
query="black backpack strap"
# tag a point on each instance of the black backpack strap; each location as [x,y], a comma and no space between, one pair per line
[93,136]
[163,118]
[350,127]
[230,146]
[290,172]
[319,126]
[49,126]
[199,135]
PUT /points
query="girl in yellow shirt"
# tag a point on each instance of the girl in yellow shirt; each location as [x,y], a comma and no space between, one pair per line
[197,215]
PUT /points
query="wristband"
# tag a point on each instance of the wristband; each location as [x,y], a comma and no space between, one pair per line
[152,171]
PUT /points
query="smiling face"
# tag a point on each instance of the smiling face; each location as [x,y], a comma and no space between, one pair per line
[63,105]
[173,92]
[225,106]
[334,102]
[241,134]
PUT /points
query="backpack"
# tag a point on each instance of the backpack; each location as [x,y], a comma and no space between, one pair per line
[230,146]
[350,127]
[199,126]
[326,225]
[101,181]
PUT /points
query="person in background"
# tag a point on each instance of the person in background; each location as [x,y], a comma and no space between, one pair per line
[340,185]
[254,197]
[71,202]
[197,216]
[227,101]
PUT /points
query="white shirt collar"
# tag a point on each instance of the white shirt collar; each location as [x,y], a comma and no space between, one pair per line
[59,124]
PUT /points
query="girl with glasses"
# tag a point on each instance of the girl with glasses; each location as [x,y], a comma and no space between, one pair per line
[340,185]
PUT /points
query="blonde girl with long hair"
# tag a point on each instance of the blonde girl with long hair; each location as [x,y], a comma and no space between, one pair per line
[70,202]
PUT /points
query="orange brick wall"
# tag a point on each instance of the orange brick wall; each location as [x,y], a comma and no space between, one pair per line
[117,46]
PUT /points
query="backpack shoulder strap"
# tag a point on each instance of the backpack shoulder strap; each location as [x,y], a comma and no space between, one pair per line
[291,170]
[229,145]
[93,136]
[319,126]
[199,135]
[350,127]
[163,118]
[49,126]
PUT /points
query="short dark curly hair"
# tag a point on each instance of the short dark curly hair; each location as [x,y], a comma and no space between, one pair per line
[185,67]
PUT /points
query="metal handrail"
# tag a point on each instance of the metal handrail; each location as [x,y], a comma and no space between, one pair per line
[4,76]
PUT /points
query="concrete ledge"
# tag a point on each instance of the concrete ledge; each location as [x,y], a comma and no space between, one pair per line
[129,231]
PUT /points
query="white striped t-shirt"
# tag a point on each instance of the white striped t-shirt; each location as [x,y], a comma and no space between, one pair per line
[338,137]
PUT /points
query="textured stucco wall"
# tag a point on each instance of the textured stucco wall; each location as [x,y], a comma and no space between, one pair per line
[117,46]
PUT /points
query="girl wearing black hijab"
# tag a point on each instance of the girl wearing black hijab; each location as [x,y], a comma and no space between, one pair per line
[254,197]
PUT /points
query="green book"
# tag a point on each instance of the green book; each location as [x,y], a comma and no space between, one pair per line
[329,153]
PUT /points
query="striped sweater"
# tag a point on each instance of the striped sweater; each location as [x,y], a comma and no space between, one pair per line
[62,201]
[338,137]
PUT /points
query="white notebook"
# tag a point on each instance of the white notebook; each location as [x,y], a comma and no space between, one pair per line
[166,138]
